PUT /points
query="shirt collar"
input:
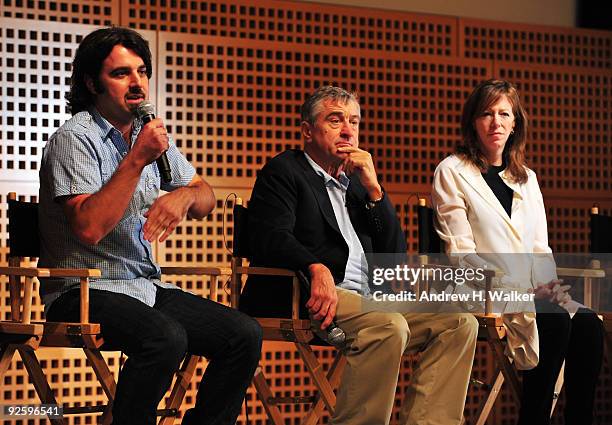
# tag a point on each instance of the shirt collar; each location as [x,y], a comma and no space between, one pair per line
[342,181]
[106,127]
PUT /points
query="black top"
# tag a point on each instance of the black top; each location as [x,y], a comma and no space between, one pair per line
[499,188]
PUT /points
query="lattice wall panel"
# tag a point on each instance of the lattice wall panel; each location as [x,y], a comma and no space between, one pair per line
[202,242]
[534,44]
[233,106]
[93,12]
[570,126]
[300,23]
[35,69]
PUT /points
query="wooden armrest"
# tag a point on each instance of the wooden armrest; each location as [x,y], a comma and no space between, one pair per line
[18,328]
[571,272]
[210,271]
[25,271]
[75,273]
[265,271]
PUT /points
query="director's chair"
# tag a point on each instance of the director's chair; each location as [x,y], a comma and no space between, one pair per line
[19,334]
[291,329]
[600,246]
[491,324]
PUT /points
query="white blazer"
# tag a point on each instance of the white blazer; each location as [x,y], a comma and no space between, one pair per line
[477,230]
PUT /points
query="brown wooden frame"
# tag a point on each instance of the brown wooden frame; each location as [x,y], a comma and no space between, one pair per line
[294,330]
[20,334]
[491,329]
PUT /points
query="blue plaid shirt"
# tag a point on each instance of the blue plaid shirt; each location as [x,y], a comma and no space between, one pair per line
[80,158]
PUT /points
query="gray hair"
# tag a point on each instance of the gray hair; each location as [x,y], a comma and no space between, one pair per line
[312,106]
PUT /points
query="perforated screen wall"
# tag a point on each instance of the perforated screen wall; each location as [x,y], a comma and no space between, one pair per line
[532,44]
[230,76]
[307,24]
[94,12]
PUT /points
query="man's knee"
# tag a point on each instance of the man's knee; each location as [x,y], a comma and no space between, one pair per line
[467,325]
[392,329]
[171,344]
[250,337]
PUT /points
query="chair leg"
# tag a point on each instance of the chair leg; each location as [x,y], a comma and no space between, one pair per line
[488,403]
[265,395]
[505,364]
[39,380]
[5,358]
[180,387]
[106,379]
[316,372]
[609,346]
[558,388]
[333,376]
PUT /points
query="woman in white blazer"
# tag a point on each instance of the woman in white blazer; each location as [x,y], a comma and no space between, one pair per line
[490,212]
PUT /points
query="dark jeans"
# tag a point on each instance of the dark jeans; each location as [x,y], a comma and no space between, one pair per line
[156,339]
[578,340]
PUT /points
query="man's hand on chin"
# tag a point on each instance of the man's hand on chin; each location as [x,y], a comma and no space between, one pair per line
[360,162]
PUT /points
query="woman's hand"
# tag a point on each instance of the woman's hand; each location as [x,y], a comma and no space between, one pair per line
[554,291]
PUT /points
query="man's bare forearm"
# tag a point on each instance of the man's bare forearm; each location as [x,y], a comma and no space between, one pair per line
[203,198]
[93,216]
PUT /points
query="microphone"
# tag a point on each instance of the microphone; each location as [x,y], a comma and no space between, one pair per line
[335,335]
[146,112]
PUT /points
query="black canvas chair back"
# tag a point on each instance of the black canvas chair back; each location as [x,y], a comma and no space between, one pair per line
[601,232]
[429,241]
[240,246]
[23,229]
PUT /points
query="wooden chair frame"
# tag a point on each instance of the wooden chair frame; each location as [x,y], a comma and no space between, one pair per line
[20,334]
[492,330]
[592,295]
[294,330]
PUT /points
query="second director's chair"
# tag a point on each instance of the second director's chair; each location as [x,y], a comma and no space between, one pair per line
[18,333]
[491,328]
[291,329]
[600,246]
[491,325]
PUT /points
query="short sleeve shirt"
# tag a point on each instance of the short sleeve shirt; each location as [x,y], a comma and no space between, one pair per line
[80,158]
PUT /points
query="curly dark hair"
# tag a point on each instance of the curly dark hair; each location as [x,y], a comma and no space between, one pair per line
[484,95]
[89,57]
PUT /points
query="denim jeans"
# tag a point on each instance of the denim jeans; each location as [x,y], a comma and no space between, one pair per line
[156,339]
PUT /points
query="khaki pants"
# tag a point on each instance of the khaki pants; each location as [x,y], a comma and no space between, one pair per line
[377,341]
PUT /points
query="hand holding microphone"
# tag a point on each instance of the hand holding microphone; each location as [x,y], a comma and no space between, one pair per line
[334,334]
[146,112]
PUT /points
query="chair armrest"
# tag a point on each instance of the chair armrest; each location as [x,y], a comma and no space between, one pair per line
[209,271]
[265,271]
[238,270]
[591,293]
[214,273]
[24,271]
[571,272]
[82,273]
